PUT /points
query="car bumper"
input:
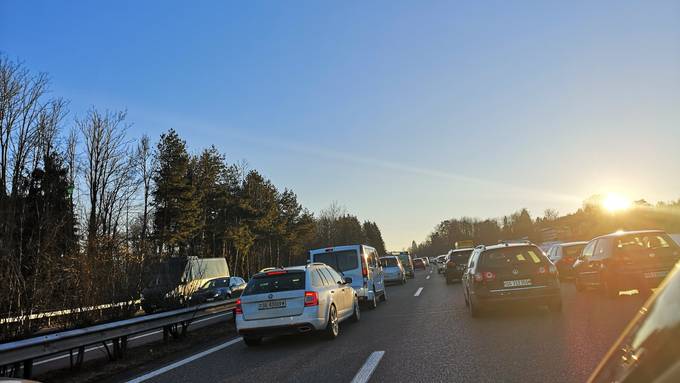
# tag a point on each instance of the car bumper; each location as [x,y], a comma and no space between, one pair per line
[309,320]
[535,295]
[394,278]
[454,274]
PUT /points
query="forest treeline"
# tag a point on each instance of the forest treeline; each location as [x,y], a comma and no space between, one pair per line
[590,221]
[86,209]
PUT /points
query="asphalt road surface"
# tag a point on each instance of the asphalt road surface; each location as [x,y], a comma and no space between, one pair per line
[423,334]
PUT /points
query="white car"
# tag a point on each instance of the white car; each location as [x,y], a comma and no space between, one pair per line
[295,300]
[393,269]
[361,264]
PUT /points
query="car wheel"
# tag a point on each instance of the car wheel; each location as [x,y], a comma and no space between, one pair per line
[333,326]
[356,315]
[252,341]
[555,306]
[383,297]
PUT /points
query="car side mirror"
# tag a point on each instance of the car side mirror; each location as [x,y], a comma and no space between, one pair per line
[347,280]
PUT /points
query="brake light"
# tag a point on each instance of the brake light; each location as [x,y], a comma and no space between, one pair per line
[364,267]
[238,309]
[485,276]
[311,298]
[276,272]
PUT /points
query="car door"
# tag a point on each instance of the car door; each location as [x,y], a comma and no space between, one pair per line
[598,262]
[334,289]
[583,266]
[376,271]
[344,294]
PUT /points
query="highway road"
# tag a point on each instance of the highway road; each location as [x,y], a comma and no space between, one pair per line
[422,334]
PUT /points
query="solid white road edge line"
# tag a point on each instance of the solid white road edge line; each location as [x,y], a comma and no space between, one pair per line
[182,362]
[367,369]
[420,289]
[131,339]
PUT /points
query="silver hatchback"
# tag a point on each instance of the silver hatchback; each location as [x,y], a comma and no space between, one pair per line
[295,300]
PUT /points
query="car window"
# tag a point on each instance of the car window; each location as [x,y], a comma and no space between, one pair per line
[335,276]
[518,257]
[220,282]
[461,257]
[651,346]
[573,251]
[589,249]
[339,260]
[600,250]
[270,283]
[389,262]
[330,280]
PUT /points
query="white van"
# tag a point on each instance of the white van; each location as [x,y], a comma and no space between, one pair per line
[359,262]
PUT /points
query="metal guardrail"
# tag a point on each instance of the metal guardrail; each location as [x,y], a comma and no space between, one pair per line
[50,314]
[24,352]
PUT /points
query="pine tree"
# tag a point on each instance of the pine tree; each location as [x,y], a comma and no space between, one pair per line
[176,210]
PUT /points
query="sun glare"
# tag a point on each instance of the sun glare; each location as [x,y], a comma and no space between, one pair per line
[615,202]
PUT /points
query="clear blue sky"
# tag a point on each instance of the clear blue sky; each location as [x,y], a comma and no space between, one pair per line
[407,113]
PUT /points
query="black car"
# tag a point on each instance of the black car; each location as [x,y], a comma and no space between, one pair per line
[456,264]
[626,260]
[218,289]
[649,349]
[510,273]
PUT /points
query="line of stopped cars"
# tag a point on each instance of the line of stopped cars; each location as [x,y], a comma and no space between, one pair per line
[320,295]
[520,272]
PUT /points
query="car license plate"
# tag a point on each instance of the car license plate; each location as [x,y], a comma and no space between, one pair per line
[517,283]
[656,274]
[271,305]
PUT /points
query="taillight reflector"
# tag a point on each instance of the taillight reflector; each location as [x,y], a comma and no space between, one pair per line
[311,298]
[238,309]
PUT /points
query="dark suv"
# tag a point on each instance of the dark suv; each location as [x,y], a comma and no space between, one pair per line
[510,273]
[626,260]
[456,263]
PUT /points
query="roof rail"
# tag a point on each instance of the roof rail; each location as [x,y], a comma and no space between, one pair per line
[514,242]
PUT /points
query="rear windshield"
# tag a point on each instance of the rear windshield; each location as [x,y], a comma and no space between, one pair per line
[418,261]
[644,243]
[389,262]
[404,259]
[273,283]
[573,251]
[339,260]
[517,257]
[460,258]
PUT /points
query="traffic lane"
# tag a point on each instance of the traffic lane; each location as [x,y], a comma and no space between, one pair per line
[306,358]
[95,352]
[517,344]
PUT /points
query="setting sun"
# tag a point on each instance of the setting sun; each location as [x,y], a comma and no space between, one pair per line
[615,202]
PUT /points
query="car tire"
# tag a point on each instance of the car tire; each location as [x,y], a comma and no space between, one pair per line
[332,329]
[356,315]
[252,341]
[383,297]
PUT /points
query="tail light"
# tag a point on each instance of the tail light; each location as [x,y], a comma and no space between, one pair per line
[238,309]
[485,276]
[311,298]
[569,260]
[364,267]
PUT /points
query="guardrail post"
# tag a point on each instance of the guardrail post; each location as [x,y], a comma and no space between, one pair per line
[28,368]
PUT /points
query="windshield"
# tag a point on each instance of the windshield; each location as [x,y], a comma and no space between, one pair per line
[275,283]
[518,257]
[389,262]
[339,260]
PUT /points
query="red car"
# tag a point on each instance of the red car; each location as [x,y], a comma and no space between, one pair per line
[419,263]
